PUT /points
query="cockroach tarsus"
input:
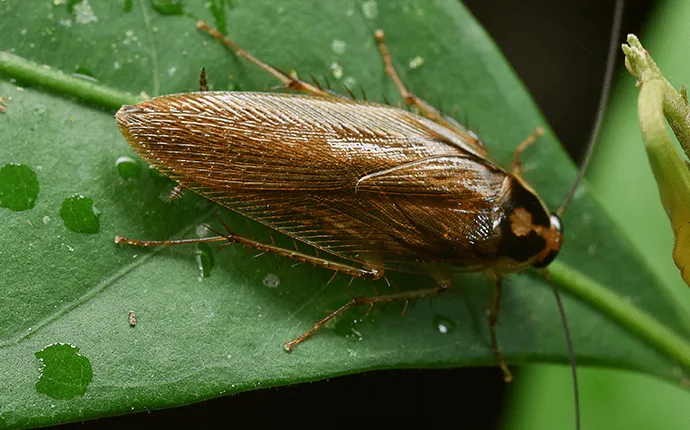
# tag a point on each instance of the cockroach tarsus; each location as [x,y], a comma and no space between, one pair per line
[439,200]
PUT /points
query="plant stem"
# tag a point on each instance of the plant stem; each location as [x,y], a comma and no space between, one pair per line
[626,314]
[28,72]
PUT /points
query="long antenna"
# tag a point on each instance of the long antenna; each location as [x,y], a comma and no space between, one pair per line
[603,101]
[571,350]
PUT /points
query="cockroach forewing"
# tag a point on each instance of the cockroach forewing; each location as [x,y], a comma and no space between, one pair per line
[361,181]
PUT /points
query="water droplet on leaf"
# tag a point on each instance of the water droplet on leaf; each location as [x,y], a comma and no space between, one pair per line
[80,214]
[168,7]
[18,187]
[204,260]
[65,373]
[128,168]
[443,324]
[271,280]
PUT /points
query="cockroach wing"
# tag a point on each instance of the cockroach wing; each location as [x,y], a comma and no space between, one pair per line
[452,203]
[362,181]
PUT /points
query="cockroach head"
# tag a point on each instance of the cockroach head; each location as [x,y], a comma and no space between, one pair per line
[530,234]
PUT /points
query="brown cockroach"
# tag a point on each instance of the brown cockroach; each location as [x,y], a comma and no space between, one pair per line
[378,187]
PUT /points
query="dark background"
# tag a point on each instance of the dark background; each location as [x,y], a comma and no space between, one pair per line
[559,50]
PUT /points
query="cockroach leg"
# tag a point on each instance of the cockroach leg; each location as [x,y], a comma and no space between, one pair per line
[493,319]
[370,301]
[412,100]
[369,272]
[409,98]
[287,80]
[517,166]
[202,80]
[151,243]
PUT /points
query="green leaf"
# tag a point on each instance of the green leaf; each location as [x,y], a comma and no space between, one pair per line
[206,331]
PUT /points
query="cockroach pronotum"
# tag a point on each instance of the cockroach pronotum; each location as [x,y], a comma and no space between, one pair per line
[374,186]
